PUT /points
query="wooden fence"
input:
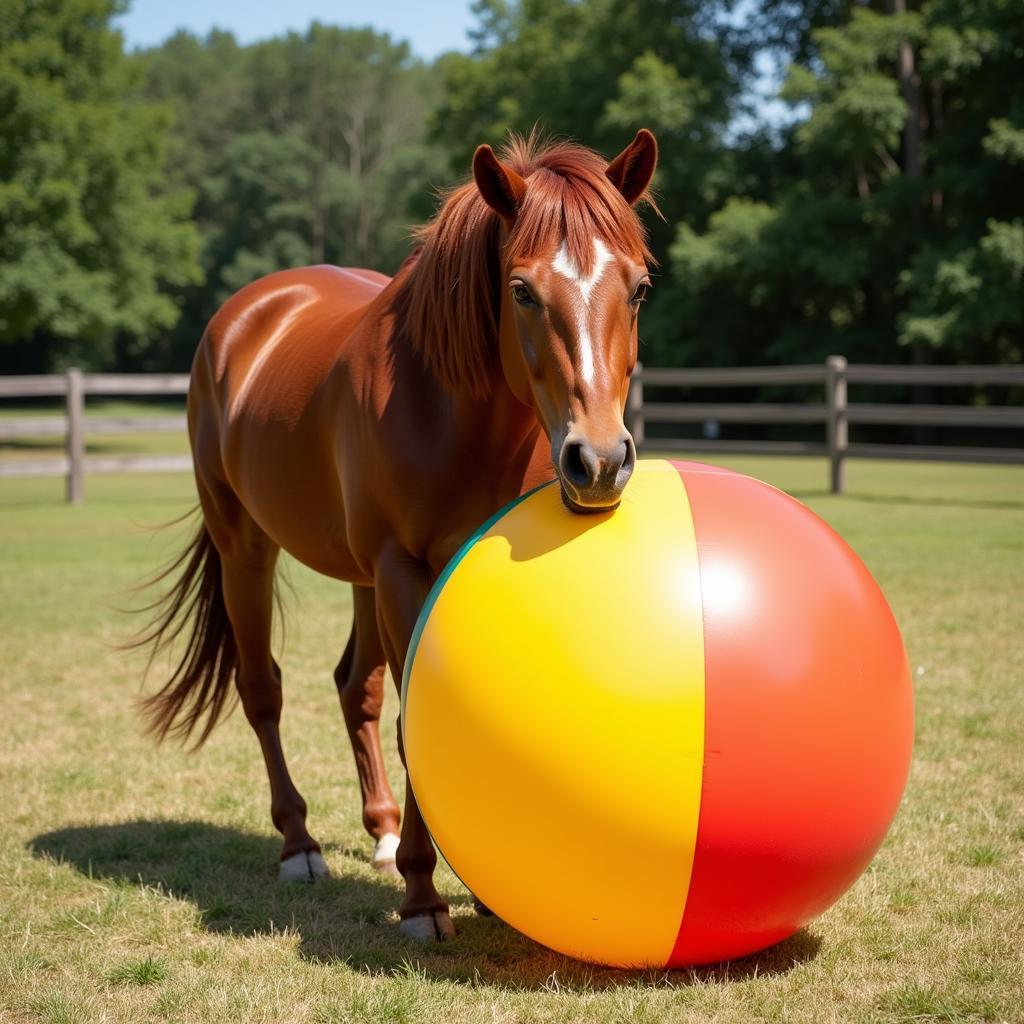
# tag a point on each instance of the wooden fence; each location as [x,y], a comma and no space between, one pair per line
[835,413]
[74,386]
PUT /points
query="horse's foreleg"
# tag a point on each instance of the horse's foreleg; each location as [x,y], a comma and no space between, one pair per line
[248,586]
[360,681]
[402,584]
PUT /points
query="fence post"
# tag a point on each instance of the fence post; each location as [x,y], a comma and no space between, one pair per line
[837,426]
[75,398]
[635,405]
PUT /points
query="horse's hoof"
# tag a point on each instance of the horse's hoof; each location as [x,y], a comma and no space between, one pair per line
[384,854]
[305,866]
[435,927]
[482,909]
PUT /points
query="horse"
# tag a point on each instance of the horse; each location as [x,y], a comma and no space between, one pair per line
[368,425]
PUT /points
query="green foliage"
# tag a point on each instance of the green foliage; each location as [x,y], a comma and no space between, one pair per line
[901,222]
[759,266]
[654,92]
[857,112]
[1004,141]
[137,193]
[969,299]
[303,149]
[92,234]
[596,71]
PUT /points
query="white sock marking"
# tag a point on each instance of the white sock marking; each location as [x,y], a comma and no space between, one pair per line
[386,848]
[564,265]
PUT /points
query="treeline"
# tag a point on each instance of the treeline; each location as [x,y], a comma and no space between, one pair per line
[883,219]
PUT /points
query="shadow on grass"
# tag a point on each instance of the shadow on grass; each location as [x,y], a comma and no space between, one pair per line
[809,494]
[229,876]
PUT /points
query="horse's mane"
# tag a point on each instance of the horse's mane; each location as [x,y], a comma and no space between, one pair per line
[448,296]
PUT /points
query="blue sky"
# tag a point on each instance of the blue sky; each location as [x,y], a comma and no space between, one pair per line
[431,26]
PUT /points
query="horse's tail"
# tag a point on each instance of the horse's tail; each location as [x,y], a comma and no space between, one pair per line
[199,691]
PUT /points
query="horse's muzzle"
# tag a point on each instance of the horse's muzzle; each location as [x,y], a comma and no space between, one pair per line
[594,478]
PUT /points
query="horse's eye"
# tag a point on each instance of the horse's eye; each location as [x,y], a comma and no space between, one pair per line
[640,295]
[522,295]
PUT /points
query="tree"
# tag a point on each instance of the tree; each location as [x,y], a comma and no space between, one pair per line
[302,149]
[899,232]
[91,233]
[595,72]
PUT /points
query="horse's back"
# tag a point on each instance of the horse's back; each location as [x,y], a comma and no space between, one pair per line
[256,399]
[270,346]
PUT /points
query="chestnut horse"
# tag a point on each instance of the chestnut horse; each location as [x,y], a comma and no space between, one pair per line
[368,426]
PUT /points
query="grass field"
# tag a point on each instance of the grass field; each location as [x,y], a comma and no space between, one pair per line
[138,884]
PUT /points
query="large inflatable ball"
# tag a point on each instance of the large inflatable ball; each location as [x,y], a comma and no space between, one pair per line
[669,734]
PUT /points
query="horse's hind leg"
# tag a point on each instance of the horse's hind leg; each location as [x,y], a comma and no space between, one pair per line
[247,580]
[360,681]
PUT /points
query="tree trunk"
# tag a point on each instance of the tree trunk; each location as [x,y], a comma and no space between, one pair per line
[322,142]
[937,124]
[318,226]
[913,168]
[913,150]
[863,188]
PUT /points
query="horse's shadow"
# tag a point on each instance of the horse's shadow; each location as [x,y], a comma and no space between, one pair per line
[228,875]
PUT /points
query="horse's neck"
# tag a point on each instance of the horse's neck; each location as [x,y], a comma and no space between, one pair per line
[500,418]
[499,430]
[453,438]
[508,452]
[414,408]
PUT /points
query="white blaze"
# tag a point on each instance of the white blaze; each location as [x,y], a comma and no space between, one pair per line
[564,265]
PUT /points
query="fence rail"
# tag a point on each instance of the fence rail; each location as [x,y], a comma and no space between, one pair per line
[835,414]
[74,386]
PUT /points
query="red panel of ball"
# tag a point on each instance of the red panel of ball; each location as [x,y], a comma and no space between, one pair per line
[808,718]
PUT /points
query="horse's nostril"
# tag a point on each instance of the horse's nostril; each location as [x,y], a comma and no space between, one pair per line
[574,466]
[628,461]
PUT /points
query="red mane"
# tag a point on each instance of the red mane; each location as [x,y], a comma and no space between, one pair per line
[449,300]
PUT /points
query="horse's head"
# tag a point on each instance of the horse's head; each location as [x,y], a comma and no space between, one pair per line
[574,273]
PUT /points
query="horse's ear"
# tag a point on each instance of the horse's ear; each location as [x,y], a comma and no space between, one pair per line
[631,171]
[501,187]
